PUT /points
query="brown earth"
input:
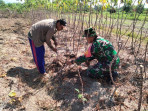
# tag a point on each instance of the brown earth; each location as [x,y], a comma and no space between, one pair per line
[18,73]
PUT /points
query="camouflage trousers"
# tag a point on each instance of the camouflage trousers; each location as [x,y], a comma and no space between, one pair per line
[100,70]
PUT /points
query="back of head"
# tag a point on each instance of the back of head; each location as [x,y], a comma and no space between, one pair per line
[62,22]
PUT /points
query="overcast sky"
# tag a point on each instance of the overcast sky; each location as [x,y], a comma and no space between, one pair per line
[21,1]
[13,1]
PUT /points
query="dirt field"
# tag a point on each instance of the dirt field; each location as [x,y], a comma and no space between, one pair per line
[18,73]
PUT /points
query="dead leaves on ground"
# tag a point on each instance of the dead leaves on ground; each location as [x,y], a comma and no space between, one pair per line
[3,75]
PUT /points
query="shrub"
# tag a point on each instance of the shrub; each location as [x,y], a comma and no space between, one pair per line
[140,8]
[127,7]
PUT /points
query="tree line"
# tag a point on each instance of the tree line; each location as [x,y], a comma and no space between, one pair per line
[76,6]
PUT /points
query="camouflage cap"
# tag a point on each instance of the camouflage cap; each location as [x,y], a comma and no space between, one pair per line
[90,32]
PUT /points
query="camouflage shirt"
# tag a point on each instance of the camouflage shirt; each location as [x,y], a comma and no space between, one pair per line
[102,50]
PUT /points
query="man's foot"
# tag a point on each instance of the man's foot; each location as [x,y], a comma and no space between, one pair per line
[43,77]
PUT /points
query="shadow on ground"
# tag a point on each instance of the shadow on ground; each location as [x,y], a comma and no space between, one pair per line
[28,76]
[65,86]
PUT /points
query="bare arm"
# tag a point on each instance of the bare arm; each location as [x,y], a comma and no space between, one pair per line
[49,35]
[55,41]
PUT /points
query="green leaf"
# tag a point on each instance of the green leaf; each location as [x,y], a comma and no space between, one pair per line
[77,90]
[80,96]
[84,99]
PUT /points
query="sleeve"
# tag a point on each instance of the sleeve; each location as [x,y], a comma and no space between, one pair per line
[80,60]
[49,35]
[86,57]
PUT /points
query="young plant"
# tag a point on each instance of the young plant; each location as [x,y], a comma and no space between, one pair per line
[80,95]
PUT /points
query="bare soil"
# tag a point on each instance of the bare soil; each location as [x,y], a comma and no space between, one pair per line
[18,73]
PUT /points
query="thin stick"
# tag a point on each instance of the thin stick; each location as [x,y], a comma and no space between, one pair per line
[141,86]
[80,80]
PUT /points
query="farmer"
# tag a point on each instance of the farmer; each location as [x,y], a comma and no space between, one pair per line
[40,32]
[103,51]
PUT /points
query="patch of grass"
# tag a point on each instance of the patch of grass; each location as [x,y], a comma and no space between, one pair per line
[128,16]
[129,34]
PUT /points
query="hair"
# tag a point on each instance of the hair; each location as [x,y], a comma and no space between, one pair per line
[62,22]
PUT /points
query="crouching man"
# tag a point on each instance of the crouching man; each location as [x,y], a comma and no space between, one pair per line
[104,52]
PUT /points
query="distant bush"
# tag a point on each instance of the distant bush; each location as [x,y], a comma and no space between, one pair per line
[127,7]
[2,4]
[111,10]
[140,8]
[98,8]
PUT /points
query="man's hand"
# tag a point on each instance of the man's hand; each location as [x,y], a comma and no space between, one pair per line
[54,49]
[70,62]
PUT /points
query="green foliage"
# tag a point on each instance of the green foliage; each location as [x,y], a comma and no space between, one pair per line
[114,2]
[98,8]
[127,7]
[140,8]
[81,96]
[111,9]
[2,4]
[86,8]
[12,6]
[16,6]
[128,16]
[73,6]
[77,90]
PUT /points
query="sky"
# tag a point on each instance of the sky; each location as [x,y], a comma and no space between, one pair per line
[13,1]
[135,3]
[119,4]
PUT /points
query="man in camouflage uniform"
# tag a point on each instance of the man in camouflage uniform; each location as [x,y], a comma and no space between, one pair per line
[103,51]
